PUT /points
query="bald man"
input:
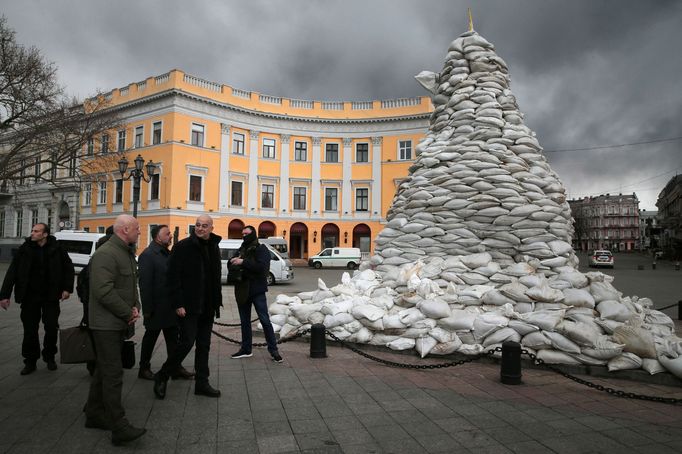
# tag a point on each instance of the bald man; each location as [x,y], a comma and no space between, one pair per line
[195,289]
[114,309]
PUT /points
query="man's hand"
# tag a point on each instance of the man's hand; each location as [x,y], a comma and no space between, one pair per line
[135,315]
[236,261]
[4,303]
[65,295]
[181,311]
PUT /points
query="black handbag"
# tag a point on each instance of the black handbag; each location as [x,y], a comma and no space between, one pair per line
[128,354]
[75,345]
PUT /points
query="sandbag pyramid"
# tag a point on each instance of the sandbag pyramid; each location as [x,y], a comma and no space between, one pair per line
[477,247]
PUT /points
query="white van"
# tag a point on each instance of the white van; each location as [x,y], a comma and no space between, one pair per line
[278,243]
[79,244]
[348,257]
[281,269]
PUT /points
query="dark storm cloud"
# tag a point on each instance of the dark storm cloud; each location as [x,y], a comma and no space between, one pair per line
[586,73]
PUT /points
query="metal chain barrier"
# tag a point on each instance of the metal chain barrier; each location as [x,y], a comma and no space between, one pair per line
[264,344]
[233,324]
[412,366]
[598,387]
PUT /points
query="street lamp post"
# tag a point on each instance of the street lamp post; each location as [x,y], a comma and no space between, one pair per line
[136,174]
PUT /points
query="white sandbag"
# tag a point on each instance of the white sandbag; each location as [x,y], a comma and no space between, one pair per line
[410,316]
[626,361]
[341,318]
[286,330]
[556,357]
[434,308]
[560,247]
[578,279]
[424,345]
[653,366]
[442,335]
[609,326]
[447,347]
[673,365]
[536,340]
[338,307]
[314,318]
[321,295]
[637,340]
[284,299]
[545,294]
[368,311]
[614,310]
[302,311]
[522,328]
[589,360]
[275,309]
[578,297]
[582,333]
[362,336]
[374,325]
[353,327]
[561,342]
[470,349]
[546,320]
[519,269]
[393,322]
[496,298]
[476,260]
[655,317]
[603,348]
[516,291]
[459,320]
[501,335]
[603,291]
[401,343]
[532,280]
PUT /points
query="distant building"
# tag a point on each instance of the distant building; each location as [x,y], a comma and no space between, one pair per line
[649,229]
[669,205]
[606,222]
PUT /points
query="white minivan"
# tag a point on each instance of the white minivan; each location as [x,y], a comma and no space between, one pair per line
[278,243]
[348,257]
[281,269]
[79,244]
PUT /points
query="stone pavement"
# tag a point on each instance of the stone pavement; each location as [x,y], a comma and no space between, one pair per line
[344,403]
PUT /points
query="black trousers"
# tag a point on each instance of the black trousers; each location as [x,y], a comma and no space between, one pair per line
[32,312]
[170,335]
[104,399]
[194,328]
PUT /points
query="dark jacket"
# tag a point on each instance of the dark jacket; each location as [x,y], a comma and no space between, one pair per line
[152,269]
[59,276]
[256,267]
[187,276]
[113,286]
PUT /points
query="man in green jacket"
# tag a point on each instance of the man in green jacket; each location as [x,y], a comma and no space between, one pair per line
[114,309]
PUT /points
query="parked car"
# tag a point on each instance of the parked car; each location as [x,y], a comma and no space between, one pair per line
[601,258]
[281,269]
[278,243]
[348,257]
[79,244]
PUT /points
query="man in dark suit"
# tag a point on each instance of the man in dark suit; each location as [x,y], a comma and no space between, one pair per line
[159,313]
[41,274]
[194,284]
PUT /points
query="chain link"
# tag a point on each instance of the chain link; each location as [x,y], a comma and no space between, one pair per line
[264,344]
[597,386]
[233,324]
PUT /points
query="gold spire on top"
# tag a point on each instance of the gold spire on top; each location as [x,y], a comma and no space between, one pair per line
[471,21]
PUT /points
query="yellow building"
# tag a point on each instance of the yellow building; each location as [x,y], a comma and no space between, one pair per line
[317,173]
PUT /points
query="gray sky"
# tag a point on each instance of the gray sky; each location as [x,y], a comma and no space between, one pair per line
[586,73]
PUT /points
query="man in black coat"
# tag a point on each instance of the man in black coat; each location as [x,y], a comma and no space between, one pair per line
[254,260]
[159,313]
[41,274]
[194,285]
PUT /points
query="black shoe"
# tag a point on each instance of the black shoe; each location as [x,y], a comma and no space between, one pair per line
[160,386]
[241,354]
[182,374]
[206,390]
[51,365]
[128,433]
[97,423]
[145,374]
[28,369]
[276,357]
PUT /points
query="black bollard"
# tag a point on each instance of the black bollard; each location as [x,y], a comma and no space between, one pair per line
[510,370]
[679,310]
[318,341]
[653,265]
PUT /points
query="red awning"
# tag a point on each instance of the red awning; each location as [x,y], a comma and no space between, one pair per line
[298,229]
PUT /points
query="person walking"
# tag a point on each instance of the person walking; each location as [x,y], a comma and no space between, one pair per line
[254,260]
[113,310]
[159,314]
[41,274]
[194,270]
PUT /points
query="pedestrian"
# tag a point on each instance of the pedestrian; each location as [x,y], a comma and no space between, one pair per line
[113,310]
[194,270]
[41,274]
[254,260]
[159,314]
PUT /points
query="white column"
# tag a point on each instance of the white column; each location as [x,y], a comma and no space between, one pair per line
[252,203]
[316,184]
[284,175]
[225,151]
[346,190]
[376,176]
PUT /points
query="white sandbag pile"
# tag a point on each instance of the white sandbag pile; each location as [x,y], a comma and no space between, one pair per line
[477,247]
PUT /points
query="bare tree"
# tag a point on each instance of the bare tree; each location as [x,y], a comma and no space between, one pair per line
[45,136]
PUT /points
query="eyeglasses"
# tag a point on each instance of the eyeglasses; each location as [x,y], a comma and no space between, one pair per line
[202,226]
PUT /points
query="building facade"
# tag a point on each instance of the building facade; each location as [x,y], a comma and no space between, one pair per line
[669,206]
[319,174]
[606,222]
[649,229]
